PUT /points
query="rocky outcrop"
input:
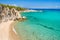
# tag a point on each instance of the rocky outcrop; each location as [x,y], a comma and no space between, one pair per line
[9,14]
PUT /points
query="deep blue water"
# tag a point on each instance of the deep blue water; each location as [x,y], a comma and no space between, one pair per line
[40,25]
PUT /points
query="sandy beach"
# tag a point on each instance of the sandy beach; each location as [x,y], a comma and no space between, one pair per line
[8,18]
[7,31]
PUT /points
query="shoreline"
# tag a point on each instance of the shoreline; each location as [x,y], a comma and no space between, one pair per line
[28,11]
[12,33]
[7,32]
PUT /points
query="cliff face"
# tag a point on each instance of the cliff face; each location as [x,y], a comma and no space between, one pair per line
[8,14]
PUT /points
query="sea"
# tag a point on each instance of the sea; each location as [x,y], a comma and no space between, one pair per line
[43,24]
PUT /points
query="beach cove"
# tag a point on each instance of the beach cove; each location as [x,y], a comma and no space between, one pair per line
[8,19]
[29,19]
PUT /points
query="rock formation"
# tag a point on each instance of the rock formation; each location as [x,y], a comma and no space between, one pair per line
[15,13]
[7,14]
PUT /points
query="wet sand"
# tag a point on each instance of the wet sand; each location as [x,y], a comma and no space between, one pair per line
[13,35]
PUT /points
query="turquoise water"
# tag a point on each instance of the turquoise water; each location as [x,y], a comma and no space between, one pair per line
[40,25]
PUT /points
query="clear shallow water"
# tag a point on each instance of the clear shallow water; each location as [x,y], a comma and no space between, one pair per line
[40,25]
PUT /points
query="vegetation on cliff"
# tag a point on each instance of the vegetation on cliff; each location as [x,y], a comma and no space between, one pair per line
[16,7]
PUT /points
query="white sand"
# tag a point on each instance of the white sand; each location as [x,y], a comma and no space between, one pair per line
[4,30]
